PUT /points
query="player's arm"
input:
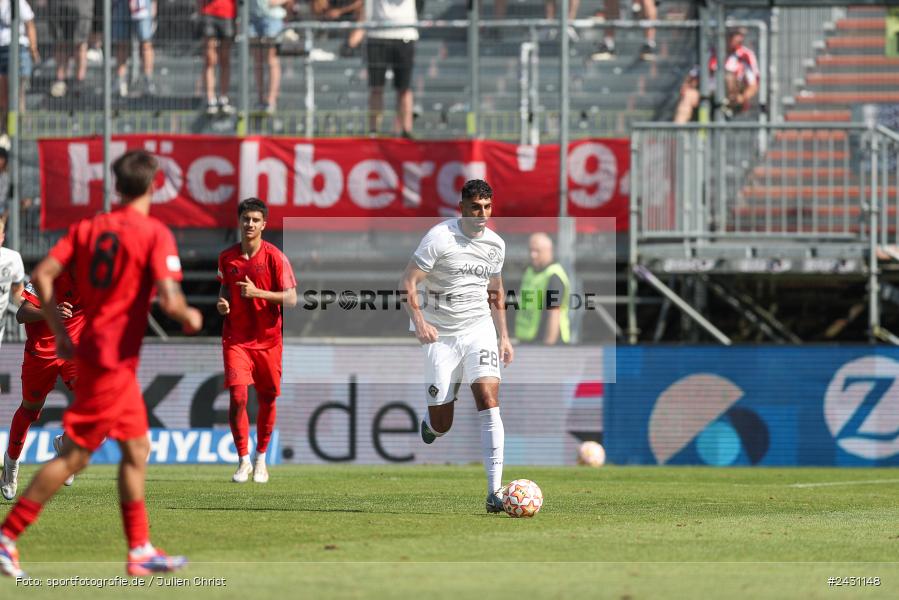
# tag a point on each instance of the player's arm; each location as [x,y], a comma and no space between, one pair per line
[43,276]
[28,313]
[286,298]
[424,331]
[496,294]
[223,305]
[174,305]
[553,314]
[15,293]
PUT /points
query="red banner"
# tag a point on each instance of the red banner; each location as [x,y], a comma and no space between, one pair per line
[202,178]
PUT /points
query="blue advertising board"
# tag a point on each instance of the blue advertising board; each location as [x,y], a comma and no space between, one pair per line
[167,446]
[754,405]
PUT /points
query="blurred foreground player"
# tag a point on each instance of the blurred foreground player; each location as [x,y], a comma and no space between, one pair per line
[256,282]
[40,369]
[458,265]
[118,259]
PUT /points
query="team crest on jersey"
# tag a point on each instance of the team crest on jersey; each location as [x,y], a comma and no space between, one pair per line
[233,270]
[494,256]
[433,391]
[6,271]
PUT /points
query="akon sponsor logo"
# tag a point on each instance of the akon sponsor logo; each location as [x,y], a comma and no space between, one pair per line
[482,271]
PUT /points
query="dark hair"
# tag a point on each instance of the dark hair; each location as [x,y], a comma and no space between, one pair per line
[476,188]
[250,205]
[4,153]
[134,173]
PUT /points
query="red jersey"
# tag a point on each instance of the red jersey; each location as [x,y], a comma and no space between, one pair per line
[254,323]
[222,9]
[40,340]
[117,258]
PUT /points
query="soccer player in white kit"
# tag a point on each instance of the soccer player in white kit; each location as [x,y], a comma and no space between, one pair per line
[456,301]
[12,279]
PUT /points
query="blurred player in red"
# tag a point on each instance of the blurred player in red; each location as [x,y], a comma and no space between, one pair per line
[257,281]
[118,259]
[40,368]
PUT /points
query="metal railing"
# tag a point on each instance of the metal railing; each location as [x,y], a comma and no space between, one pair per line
[762,192]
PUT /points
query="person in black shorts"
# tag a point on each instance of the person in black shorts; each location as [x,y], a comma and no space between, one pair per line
[70,27]
[392,49]
[217,20]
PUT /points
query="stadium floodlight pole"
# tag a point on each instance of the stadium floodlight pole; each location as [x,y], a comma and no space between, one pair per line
[566,234]
[721,57]
[474,67]
[12,122]
[244,58]
[705,105]
[107,104]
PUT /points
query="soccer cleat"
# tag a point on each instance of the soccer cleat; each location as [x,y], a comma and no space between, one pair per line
[9,558]
[243,472]
[495,503]
[427,436]
[604,51]
[57,445]
[260,471]
[9,480]
[153,561]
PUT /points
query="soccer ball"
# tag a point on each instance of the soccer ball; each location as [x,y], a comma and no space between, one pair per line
[591,454]
[522,498]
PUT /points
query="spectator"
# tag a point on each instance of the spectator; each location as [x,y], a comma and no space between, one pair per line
[217,20]
[605,50]
[70,28]
[741,80]
[134,18]
[542,315]
[394,49]
[342,10]
[550,7]
[27,53]
[266,22]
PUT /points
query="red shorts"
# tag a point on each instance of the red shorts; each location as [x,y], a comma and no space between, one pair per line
[108,403]
[39,376]
[261,368]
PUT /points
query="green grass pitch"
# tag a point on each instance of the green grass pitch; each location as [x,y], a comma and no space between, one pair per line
[421,532]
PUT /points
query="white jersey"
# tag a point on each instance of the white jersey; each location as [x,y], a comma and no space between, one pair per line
[454,294]
[393,11]
[12,271]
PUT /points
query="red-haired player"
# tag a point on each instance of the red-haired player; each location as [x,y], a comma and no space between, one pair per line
[257,281]
[40,369]
[118,259]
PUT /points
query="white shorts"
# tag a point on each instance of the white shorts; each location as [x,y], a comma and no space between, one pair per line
[473,354]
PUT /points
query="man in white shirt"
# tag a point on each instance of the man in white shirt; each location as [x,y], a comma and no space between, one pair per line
[12,279]
[392,49]
[456,301]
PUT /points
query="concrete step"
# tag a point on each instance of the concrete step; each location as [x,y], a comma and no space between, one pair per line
[819,116]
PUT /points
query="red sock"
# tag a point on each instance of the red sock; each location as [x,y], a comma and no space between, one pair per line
[265,422]
[237,418]
[137,527]
[18,430]
[21,516]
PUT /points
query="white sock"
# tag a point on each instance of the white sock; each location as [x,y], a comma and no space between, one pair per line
[245,458]
[260,456]
[141,550]
[493,437]
[609,42]
[431,427]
